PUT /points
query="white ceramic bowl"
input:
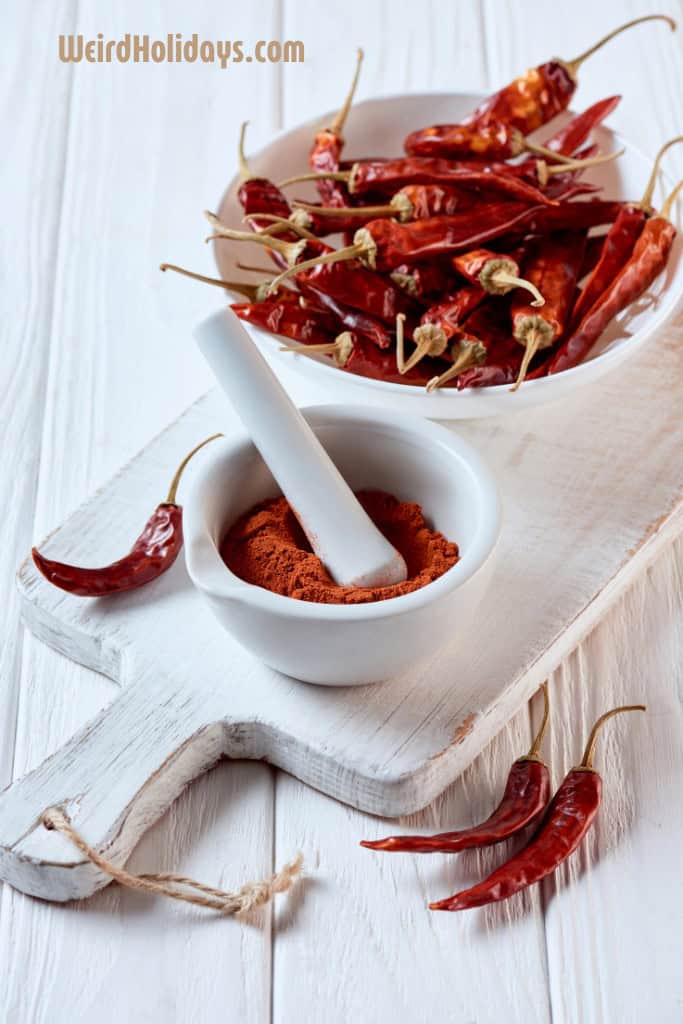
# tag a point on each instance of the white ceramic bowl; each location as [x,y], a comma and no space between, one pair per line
[377,128]
[349,644]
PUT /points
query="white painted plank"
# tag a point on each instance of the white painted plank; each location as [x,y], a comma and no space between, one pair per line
[615,911]
[33,111]
[371,949]
[146,149]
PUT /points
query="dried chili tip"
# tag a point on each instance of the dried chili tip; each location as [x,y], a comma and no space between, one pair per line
[340,349]
[252,292]
[154,551]
[568,819]
[526,796]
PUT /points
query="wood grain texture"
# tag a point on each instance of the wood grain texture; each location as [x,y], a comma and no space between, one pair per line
[613,957]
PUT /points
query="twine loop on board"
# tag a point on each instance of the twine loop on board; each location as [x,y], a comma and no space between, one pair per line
[178,887]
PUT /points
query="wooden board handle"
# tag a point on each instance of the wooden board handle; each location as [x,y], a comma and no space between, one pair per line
[113,778]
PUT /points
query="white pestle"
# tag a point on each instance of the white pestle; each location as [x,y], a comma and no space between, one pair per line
[338,528]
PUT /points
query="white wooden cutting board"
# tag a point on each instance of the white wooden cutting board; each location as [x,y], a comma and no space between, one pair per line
[592,489]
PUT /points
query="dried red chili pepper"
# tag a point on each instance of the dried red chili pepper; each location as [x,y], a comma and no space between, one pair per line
[256,194]
[619,242]
[155,551]
[554,268]
[356,320]
[327,147]
[412,202]
[385,245]
[289,320]
[351,285]
[499,126]
[388,176]
[496,272]
[570,816]
[525,798]
[490,322]
[449,314]
[647,261]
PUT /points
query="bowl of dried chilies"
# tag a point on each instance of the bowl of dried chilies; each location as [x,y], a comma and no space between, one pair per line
[501,257]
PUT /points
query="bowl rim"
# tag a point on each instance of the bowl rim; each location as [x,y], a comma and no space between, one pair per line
[325,368]
[203,559]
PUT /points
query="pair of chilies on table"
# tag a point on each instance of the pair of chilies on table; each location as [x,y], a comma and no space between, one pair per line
[526,800]
[441,215]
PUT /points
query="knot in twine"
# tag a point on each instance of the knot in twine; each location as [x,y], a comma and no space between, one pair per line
[178,887]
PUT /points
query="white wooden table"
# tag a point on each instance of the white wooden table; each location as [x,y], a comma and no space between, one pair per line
[106,170]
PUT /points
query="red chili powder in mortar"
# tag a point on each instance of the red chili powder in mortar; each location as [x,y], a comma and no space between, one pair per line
[268,548]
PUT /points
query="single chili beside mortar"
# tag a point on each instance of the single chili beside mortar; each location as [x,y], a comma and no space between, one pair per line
[155,551]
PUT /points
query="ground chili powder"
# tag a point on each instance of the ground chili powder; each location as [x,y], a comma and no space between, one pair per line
[268,548]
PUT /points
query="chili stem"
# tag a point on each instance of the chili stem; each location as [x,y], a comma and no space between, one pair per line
[544,172]
[504,280]
[337,126]
[245,170]
[646,201]
[531,346]
[250,291]
[430,340]
[400,343]
[538,739]
[252,269]
[575,64]
[349,253]
[347,211]
[589,752]
[317,176]
[278,223]
[173,490]
[341,348]
[669,202]
[290,250]
[472,353]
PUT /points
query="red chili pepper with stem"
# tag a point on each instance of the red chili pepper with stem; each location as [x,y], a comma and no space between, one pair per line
[388,176]
[554,268]
[412,202]
[384,245]
[499,126]
[619,242]
[327,147]
[526,796]
[570,816]
[496,272]
[256,194]
[351,285]
[367,326]
[647,261]
[155,551]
